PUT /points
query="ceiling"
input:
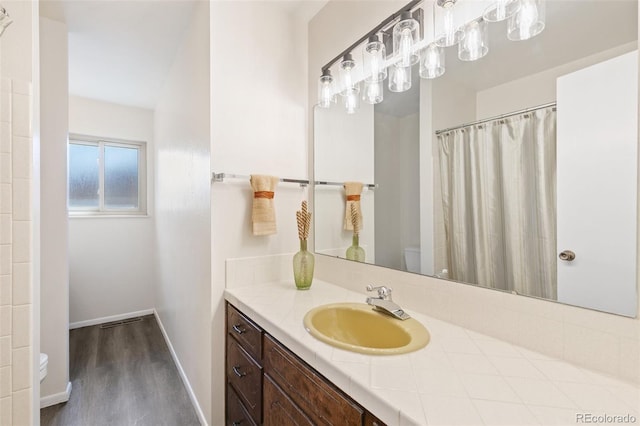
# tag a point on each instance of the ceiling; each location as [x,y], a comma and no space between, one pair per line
[120,51]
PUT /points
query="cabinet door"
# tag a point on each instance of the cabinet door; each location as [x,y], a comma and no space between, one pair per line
[279,410]
[318,398]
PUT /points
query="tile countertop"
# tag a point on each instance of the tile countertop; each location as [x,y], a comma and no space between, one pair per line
[460,378]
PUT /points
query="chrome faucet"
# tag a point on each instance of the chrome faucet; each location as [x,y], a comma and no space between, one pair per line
[384,304]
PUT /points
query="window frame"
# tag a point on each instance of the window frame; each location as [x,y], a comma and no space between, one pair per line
[101,143]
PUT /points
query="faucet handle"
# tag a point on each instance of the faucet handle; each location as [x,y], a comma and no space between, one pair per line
[383,292]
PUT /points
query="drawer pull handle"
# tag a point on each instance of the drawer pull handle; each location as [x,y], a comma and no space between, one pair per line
[238,423]
[237,329]
[236,369]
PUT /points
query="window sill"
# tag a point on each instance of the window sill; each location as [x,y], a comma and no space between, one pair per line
[108,216]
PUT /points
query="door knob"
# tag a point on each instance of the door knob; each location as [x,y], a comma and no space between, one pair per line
[567,255]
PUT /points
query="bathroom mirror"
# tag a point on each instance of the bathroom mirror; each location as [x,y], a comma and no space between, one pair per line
[516,172]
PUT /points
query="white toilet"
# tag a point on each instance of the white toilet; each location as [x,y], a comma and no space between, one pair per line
[44,360]
[412,259]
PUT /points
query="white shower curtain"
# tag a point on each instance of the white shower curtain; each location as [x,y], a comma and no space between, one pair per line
[499,200]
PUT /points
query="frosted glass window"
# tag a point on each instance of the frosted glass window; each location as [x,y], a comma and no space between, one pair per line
[120,177]
[84,176]
[106,177]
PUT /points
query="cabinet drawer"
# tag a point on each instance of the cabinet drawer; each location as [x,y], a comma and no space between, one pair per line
[247,333]
[279,410]
[319,399]
[246,378]
[237,414]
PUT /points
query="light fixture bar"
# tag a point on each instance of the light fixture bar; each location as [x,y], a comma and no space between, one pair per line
[406,8]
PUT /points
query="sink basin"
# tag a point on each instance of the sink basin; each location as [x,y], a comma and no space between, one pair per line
[357,327]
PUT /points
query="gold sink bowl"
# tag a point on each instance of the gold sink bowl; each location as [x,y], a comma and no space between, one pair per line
[357,327]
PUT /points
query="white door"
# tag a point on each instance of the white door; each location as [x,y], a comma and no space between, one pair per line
[597,185]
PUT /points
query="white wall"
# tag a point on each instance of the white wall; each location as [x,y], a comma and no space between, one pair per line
[258,124]
[54,284]
[183,208]
[111,259]
[535,89]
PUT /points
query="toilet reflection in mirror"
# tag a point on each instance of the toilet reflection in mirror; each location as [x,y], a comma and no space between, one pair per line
[489,173]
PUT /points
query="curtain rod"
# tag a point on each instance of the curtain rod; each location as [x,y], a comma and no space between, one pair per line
[498,117]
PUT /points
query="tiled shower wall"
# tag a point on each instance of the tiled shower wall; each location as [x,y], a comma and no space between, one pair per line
[15,253]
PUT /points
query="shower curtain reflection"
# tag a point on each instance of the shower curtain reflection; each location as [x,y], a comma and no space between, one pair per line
[499,200]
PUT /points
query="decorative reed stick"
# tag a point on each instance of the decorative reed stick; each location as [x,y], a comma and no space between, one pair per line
[303,218]
[355,219]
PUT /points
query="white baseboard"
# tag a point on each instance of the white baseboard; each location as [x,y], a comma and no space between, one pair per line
[56,398]
[111,318]
[183,376]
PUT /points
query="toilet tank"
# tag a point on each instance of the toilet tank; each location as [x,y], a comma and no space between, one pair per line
[412,259]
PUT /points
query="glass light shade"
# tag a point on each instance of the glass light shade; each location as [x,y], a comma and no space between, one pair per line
[451,33]
[399,78]
[405,37]
[475,43]
[326,90]
[528,22]
[373,92]
[346,75]
[373,57]
[432,61]
[501,10]
[351,101]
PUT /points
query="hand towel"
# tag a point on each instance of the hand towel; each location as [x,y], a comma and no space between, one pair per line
[263,214]
[352,191]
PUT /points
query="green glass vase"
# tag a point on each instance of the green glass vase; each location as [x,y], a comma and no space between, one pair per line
[355,252]
[303,263]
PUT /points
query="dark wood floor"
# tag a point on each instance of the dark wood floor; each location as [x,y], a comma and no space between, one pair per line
[122,376]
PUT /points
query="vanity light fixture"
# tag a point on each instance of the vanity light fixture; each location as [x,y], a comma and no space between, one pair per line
[373,57]
[432,61]
[474,45]
[528,22]
[501,10]
[402,46]
[351,88]
[351,101]
[399,78]
[405,37]
[451,34]
[373,92]
[346,74]
[326,89]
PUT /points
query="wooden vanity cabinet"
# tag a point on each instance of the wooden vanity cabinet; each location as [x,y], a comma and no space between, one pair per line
[268,384]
